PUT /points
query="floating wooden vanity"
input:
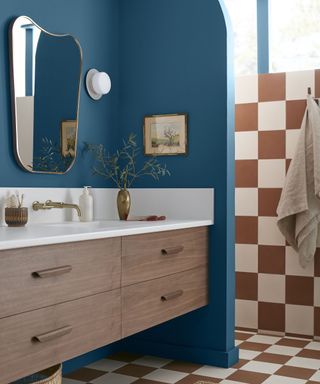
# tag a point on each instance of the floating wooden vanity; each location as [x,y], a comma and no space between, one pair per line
[60,301]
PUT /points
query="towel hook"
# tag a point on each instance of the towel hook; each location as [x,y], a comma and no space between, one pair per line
[309,93]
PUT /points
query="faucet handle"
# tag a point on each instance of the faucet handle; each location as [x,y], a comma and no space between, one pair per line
[36,205]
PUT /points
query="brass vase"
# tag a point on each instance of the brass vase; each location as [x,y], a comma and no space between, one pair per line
[123,203]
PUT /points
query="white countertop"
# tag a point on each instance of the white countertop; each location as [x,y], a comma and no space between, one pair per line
[44,234]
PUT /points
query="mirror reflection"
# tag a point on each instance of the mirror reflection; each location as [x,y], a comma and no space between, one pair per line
[46,73]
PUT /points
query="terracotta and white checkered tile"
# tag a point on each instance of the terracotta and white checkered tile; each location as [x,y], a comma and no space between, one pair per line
[107,365]
[272,145]
[271,259]
[317,291]
[246,89]
[295,110]
[269,112]
[268,233]
[271,173]
[293,266]
[299,319]
[272,87]
[272,116]
[152,361]
[297,84]
[263,359]
[247,258]
[271,288]
[246,146]
[246,202]
[268,199]
[292,136]
[247,313]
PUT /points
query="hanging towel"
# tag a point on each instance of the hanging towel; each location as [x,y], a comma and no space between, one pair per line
[299,206]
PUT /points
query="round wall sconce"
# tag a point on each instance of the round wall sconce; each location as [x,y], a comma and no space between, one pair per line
[98,84]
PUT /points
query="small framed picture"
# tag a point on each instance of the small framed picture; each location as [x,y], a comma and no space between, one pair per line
[68,138]
[166,134]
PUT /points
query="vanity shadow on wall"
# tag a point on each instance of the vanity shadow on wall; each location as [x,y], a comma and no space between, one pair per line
[45,87]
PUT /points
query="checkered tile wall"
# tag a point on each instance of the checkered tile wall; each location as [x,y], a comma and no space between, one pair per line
[274,294]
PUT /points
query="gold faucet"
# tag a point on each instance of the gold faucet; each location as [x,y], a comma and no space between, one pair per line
[49,204]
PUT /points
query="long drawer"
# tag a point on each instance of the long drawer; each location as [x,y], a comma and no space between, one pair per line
[34,340]
[33,278]
[153,302]
[146,257]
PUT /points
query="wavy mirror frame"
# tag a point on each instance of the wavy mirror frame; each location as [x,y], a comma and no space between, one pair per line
[13,96]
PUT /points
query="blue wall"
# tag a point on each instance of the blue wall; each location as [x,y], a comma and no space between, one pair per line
[173,58]
[95,24]
[164,56]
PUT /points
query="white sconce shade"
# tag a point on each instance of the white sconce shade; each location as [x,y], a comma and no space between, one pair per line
[98,84]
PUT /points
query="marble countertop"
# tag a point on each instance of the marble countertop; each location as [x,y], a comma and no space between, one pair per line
[55,233]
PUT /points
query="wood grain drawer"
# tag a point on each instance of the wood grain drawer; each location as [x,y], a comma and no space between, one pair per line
[32,278]
[146,257]
[153,302]
[88,323]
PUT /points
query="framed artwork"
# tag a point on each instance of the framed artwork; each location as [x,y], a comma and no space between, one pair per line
[166,134]
[68,138]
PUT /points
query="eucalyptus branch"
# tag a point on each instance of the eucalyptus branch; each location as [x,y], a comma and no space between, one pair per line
[96,171]
[120,167]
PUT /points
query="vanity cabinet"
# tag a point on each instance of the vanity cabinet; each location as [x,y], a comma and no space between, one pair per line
[163,253]
[37,277]
[61,301]
[34,340]
[153,302]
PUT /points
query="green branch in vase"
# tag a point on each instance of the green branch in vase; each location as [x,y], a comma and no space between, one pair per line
[121,166]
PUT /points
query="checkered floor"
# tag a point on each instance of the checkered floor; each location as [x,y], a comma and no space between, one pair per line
[263,359]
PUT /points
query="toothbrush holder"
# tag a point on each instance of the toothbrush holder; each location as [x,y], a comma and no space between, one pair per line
[16,217]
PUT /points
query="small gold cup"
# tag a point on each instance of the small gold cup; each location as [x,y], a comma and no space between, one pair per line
[16,217]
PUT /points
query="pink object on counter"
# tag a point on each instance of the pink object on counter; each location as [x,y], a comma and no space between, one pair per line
[147,218]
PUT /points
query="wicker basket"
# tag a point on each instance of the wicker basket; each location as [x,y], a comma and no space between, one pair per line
[51,375]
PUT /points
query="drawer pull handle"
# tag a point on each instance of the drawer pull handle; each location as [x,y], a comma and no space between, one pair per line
[172,295]
[172,250]
[52,272]
[52,335]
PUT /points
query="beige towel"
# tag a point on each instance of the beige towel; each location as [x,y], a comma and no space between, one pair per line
[299,206]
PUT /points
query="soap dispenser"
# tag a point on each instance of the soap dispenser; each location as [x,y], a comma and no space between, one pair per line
[86,205]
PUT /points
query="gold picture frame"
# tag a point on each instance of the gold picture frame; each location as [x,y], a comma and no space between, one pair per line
[166,135]
[68,138]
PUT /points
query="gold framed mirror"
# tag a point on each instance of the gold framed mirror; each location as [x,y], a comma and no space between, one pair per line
[45,76]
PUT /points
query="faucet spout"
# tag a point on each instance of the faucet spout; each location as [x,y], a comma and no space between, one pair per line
[49,204]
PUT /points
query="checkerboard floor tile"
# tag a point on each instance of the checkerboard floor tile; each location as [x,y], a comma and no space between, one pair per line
[263,360]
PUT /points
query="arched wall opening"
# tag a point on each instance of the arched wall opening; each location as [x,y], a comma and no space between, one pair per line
[176,56]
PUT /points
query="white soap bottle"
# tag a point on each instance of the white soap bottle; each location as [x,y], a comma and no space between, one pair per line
[86,205]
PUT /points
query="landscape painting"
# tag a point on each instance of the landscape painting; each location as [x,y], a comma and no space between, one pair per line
[68,138]
[165,134]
